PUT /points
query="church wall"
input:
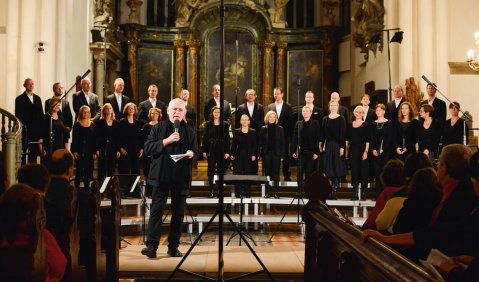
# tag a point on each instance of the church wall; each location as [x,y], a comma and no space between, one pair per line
[435,33]
[3,51]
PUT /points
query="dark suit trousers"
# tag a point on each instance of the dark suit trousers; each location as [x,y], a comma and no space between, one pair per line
[215,160]
[158,203]
[307,166]
[286,160]
[243,166]
[271,164]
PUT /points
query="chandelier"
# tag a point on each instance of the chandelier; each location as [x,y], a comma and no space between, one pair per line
[473,63]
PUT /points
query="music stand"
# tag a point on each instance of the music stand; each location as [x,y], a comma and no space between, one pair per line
[229,180]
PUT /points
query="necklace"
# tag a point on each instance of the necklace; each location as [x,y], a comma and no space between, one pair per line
[380,125]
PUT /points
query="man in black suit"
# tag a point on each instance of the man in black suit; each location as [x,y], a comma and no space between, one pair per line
[28,108]
[65,110]
[85,97]
[370,115]
[439,105]
[149,103]
[285,119]
[392,108]
[117,99]
[343,111]
[190,110]
[215,101]
[170,136]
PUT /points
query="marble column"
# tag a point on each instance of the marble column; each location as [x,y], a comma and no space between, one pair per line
[11,59]
[193,48]
[426,44]
[99,73]
[133,40]
[28,27]
[267,89]
[179,65]
[46,68]
[280,64]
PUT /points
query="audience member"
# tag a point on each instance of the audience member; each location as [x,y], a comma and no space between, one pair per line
[35,176]
[392,179]
[20,208]
[4,179]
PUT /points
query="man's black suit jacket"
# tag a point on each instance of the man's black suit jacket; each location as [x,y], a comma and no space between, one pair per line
[80,100]
[191,114]
[256,121]
[145,107]
[114,103]
[65,112]
[30,114]
[371,116]
[211,103]
[285,119]
[392,111]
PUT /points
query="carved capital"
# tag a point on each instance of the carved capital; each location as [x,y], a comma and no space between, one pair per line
[179,44]
[281,46]
[267,45]
[193,45]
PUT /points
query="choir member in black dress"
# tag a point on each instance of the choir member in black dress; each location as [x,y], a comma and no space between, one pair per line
[358,141]
[271,149]
[131,151]
[214,143]
[333,145]
[454,127]
[243,153]
[83,147]
[54,132]
[405,132]
[305,145]
[429,132]
[154,114]
[107,131]
[381,143]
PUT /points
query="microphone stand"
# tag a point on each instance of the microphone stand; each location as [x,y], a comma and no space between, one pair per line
[66,93]
[465,117]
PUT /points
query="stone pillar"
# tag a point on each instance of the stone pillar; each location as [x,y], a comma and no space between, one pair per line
[99,73]
[133,40]
[267,91]
[193,46]
[280,64]
[179,65]
[134,6]
[11,155]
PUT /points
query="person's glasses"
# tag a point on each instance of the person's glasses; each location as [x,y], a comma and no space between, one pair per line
[180,110]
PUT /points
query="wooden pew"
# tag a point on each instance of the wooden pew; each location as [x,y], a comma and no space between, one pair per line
[335,252]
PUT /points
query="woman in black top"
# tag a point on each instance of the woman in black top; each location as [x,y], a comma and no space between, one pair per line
[214,143]
[131,151]
[243,153]
[405,132]
[154,114]
[55,134]
[381,141]
[429,132]
[83,147]
[333,145]
[107,131]
[271,149]
[305,145]
[358,140]
[454,127]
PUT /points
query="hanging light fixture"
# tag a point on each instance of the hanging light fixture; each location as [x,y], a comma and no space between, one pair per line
[473,62]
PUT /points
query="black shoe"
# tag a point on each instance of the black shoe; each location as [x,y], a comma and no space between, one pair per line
[174,253]
[267,195]
[287,178]
[149,251]
[212,195]
[276,196]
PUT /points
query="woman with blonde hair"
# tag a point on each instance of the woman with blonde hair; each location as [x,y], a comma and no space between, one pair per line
[271,149]
[107,131]
[83,147]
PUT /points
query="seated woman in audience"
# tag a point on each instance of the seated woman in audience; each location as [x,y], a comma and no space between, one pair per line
[428,132]
[83,147]
[271,148]
[36,176]
[392,179]
[405,132]
[454,127]
[424,193]
[20,208]
[107,131]
[387,217]
[243,153]
[154,114]
[381,143]
[55,133]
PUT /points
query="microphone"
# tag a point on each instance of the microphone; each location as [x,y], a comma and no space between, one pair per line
[177,125]
[428,81]
[85,74]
